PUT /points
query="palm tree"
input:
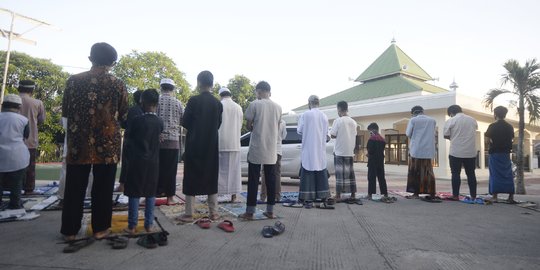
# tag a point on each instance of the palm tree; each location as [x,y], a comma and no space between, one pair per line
[525,81]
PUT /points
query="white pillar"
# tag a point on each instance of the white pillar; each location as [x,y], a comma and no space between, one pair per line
[482,156]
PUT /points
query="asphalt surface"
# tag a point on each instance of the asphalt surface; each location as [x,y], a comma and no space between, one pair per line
[408,234]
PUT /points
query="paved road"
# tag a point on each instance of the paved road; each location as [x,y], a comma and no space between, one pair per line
[409,234]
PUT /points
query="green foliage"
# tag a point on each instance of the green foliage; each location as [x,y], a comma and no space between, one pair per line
[525,80]
[50,80]
[243,92]
[144,70]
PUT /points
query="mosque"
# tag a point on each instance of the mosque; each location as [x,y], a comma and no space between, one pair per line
[389,88]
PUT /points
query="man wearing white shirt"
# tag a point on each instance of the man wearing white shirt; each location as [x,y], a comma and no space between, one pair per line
[421,133]
[313,126]
[344,131]
[460,129]
[229,178]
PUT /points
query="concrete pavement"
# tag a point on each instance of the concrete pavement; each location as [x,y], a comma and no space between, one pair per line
[409,234]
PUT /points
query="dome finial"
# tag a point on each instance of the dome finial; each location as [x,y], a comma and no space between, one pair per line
[453,86]
[393,40]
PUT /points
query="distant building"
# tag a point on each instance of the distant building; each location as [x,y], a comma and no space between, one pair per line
[388,89]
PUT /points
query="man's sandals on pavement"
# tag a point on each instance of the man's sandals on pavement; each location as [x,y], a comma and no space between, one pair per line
[120,241]
[271,231]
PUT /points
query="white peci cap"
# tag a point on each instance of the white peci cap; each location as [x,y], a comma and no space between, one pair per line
[224,89]
[167,81]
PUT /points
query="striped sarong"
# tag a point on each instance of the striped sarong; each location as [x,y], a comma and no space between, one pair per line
[345,179]
[313,185]
[420,179]
[501,178]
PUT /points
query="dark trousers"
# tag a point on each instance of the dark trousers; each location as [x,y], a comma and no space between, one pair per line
[15,182]
[376,172]
[168,165]
[455,167]
[102,190]
[30,180]
[254,173]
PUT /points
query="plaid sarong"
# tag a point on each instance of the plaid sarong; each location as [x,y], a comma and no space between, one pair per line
[313,185]
[345,179]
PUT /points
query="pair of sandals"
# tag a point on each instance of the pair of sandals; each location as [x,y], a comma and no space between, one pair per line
[431,199]
[271,231]
[357,201]
[386,199]
[205,223]
[327,204]
[152,240]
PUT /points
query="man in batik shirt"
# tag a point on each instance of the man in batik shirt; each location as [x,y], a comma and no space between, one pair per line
[94,103]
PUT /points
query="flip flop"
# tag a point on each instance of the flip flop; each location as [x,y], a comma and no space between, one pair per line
[268,232]
[431,199]
[293,204]
[330,201]
[147,241]
[358,201]
[278,228]
[118,242]
[76,245]
[350,201]
[308,205]
[324,205]
[227,226]
[160,238]
[204,223]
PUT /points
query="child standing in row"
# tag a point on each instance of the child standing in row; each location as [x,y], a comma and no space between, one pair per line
[375,147]
[143,162]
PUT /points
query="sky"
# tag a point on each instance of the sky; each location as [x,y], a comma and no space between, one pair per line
[301,47]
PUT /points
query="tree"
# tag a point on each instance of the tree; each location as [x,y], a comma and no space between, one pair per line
[243,93]
[50,80]
[525,81]
[145,70]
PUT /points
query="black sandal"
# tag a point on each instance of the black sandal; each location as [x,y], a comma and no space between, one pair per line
[76,245]
[147,241]
[119,242]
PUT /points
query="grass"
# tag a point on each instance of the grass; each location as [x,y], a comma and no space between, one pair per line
[51,171]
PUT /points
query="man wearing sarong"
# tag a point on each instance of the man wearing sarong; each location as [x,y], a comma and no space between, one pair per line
[500,135]
[170,111]
[313,126]
[202,119]
[460,129]
[263,117]
[229,180]
[421,133]
[344,131]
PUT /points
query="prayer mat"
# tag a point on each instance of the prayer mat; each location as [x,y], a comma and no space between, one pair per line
[400,193]
[118,224]
[200,210]
[237,209]
[286,196]
[225,198]
[17,215]
[447,196]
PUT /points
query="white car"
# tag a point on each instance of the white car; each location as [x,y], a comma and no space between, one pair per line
[291,152]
